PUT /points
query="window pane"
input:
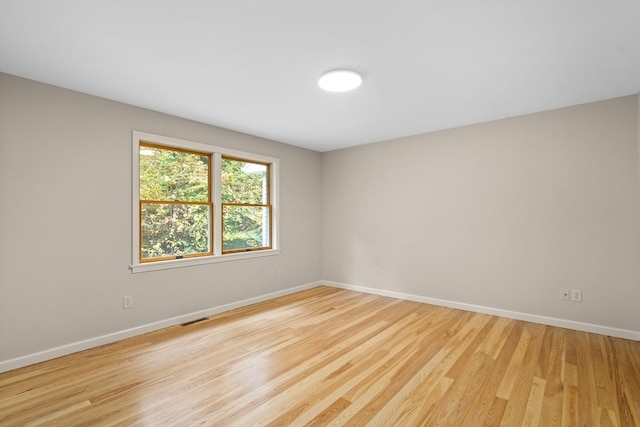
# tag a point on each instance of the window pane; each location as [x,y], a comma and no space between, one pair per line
[172,175]
[245,227]
[174,229]
[244,182]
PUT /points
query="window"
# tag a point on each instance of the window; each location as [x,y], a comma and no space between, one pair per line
[195,203]
[246,210]
[175,203]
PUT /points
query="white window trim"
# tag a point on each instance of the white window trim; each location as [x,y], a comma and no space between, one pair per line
[216,155]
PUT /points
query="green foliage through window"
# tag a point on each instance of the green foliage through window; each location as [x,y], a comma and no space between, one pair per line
[175,203]
[246,209]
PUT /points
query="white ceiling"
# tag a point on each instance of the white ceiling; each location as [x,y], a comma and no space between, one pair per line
[253,66]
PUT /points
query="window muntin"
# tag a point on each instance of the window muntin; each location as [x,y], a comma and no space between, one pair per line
[246,205]
[175,203]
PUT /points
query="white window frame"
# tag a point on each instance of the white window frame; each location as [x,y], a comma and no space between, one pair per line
[216,156]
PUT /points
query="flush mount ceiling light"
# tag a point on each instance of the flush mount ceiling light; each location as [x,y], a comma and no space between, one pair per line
[340,80]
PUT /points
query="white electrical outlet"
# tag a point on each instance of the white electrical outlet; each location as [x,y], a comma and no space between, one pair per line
[281,272]
[378,271]
[576,295]
[564,294]
[127,301]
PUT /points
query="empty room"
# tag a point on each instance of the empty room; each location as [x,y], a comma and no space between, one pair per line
[320,213]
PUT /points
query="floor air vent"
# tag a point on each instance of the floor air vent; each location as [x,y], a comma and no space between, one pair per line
[194,321]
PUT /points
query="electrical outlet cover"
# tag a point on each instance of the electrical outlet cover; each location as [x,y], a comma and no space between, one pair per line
[127,301]
[576,295]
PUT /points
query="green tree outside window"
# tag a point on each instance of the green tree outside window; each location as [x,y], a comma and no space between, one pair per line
[246,209]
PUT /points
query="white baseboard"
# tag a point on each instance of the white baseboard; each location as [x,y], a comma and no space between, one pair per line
[552,321]
[74,347]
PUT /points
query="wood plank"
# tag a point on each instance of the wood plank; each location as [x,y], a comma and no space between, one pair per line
[486,396]
[533,409]
[570,396]
[552,371]
[626,381]
[523,378]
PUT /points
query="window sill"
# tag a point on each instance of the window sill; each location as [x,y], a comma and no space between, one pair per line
[178,263]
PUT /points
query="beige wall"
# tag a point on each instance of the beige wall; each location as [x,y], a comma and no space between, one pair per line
[65,221]
[499,215]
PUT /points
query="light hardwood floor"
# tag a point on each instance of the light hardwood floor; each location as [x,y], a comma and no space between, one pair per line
[328,356]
